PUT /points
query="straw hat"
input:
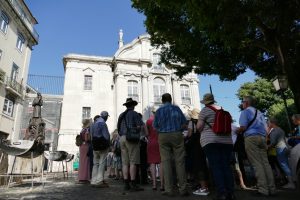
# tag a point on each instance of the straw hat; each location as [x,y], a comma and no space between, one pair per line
[208,98]
[194,114]
[154,109]
[86,123]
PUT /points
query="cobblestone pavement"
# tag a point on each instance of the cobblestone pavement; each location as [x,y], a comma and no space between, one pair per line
[68,189]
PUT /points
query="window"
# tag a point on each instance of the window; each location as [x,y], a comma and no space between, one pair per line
[14,73]
[20,41]
[3,22]
[88,80]
[86,112]
[133,90]
[157,66]
[185,94]
[159,88]
[8,107]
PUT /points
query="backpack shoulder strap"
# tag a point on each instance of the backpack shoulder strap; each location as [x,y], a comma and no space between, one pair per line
[212,108]
[215,110]
[251,122]
[123,115]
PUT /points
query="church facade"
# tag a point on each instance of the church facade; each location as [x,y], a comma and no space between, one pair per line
[94,84]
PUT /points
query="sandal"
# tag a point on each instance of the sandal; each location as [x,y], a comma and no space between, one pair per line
[162,189]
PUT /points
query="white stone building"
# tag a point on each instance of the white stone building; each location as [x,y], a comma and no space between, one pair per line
[94,84]
[17,38]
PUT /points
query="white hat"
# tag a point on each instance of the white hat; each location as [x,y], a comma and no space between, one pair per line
[194,114]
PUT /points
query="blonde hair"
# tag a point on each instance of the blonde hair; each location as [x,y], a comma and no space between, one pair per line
[86,123]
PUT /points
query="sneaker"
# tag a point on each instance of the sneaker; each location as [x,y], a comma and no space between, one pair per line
[201,192]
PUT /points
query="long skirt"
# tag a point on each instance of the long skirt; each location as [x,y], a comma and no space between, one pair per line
[84,163]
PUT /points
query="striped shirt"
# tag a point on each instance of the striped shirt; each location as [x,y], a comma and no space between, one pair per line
[169,118]
[207,135]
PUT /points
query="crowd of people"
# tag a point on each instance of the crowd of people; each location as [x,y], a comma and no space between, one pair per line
[183,153]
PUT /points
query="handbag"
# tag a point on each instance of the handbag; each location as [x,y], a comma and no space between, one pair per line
[239,145]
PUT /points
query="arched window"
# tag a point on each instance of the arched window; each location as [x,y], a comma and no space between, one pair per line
[4,20]
[185,94]
[133,90]
[159,88]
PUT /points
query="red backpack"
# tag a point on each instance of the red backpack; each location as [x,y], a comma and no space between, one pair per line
[222,122]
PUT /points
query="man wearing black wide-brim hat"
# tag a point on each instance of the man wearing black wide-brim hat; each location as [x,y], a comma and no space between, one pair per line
[130,151]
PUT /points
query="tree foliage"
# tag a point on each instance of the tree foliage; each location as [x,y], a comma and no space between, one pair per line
[227,37]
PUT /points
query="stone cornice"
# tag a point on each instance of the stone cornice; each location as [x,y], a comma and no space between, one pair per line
[87,59]
[132,61]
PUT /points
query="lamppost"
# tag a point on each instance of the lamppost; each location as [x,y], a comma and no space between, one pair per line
[281,84]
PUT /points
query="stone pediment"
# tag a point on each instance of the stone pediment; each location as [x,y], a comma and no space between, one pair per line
[88,70]
[138,49]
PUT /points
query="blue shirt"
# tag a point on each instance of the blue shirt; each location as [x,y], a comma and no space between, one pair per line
[169,118]
[99,128]
[258,127]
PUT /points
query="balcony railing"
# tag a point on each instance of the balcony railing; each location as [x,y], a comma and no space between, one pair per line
[14,86]
[2,75]
[134,97]
[18,8]
[186,100]
[158,69]
[157,99]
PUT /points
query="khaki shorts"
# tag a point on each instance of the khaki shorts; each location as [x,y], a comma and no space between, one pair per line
[130,152]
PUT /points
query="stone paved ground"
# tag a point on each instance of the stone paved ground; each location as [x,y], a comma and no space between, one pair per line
[60,189]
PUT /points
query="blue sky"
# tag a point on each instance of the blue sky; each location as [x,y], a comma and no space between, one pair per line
[91,27]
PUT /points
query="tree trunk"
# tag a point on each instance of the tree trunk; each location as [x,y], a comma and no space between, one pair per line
[293,75]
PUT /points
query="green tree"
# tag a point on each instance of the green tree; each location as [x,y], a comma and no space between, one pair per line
[227,37]
[262,90]
[268,101]
[278,111]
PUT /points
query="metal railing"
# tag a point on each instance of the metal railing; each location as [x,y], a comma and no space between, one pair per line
[15,85]
[158,69]
[47,84]
[134,97]
[2,75]
[18,8]
[157,99]
[186,100]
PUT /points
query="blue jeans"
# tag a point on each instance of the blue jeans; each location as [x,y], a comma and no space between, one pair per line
[219,157]
[283,160]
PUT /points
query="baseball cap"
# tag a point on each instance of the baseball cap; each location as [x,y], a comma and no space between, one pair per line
[104,114]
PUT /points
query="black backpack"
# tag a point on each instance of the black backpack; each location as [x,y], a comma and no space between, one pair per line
[100,143]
